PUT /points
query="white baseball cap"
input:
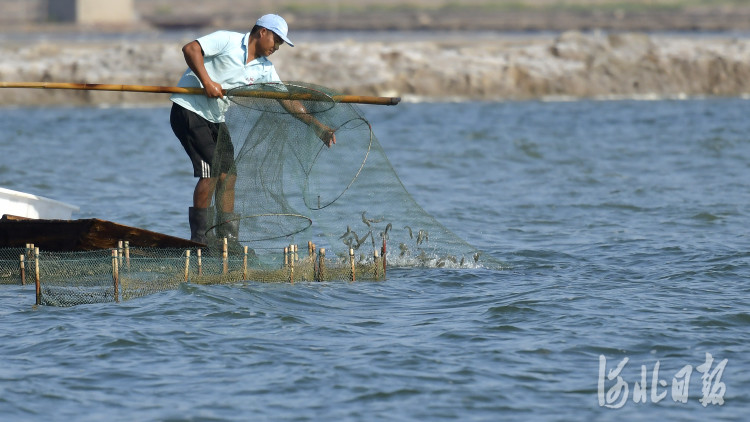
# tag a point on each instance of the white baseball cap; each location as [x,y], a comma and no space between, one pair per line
[277,24]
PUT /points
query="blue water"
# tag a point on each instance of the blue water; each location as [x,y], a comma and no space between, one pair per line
[621,226]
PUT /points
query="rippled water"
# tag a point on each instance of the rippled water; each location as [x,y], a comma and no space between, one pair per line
[621,226]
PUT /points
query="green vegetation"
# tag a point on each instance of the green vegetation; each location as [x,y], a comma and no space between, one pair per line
[165,10]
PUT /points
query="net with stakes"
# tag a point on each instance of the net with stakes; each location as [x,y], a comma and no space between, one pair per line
[290,189]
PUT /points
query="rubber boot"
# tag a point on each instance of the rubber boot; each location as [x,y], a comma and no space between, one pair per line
[228,226]
[211,229]
[198,218]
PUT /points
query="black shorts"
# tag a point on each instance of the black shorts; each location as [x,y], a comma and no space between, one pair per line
[200,138]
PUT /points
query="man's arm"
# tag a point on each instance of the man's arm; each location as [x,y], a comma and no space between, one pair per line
[194,58]
[298,110]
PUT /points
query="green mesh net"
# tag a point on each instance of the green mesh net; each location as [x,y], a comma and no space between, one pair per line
[291,188]
[84,277]
[12,265]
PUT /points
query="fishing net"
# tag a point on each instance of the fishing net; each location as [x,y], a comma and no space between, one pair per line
[345,203]
[120,274]
[10,265]
[291,188]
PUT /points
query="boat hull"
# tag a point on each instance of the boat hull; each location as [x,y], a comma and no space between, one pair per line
[81,235]
[33,206]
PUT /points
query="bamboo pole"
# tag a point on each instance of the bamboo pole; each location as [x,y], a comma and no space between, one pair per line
[225,255]
[382,253]
[36,277]
[315,268]
[120,254]
[274,95]
[127,255]
[314,261]
[187,264]
[200,263]
[23,270]
[244,264]
[376,262]
[291,264]
[322,264]
[115,275]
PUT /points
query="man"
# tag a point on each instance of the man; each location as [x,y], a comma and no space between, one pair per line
[219,61]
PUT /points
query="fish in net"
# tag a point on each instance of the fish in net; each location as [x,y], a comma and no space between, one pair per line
[291,188]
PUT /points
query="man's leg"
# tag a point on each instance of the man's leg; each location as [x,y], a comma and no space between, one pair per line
[198,138]
[225,192]
[228,224]
[201,216]
[204,189]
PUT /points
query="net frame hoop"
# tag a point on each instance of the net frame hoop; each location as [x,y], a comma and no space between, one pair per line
[356,175]
[243,217]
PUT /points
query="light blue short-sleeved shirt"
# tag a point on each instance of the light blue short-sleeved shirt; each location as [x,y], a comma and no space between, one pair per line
[225,58]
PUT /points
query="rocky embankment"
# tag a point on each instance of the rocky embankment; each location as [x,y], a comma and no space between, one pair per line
[572,64]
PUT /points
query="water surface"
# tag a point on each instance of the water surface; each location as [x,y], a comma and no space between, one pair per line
[621,226]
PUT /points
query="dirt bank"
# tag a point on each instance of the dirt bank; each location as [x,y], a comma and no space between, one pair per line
[572,64]
[472,15]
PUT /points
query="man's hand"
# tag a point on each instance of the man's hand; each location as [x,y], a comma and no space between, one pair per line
[326,134]
[298,110]
[213,90]
[194,58]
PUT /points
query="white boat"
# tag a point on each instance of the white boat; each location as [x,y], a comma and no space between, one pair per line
[23,204]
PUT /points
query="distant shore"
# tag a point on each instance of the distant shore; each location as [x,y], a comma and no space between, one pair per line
[491,67]
[468,15]
[423,50]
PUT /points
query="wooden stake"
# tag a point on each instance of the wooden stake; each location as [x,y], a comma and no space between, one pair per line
[322,264]
[120,253]
[200,263]
[30,251]
[187,264]
[117,266]
[115,275]
[376,263]
[351,261]
[225,255]
[291,264]
[23,270]
[244,265]
[382,253]
[36,277]
[314,262]
[127,254]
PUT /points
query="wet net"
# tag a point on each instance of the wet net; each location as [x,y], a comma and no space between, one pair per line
[291,188]
[124,273]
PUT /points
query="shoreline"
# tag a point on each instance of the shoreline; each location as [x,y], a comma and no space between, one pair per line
[441,67]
